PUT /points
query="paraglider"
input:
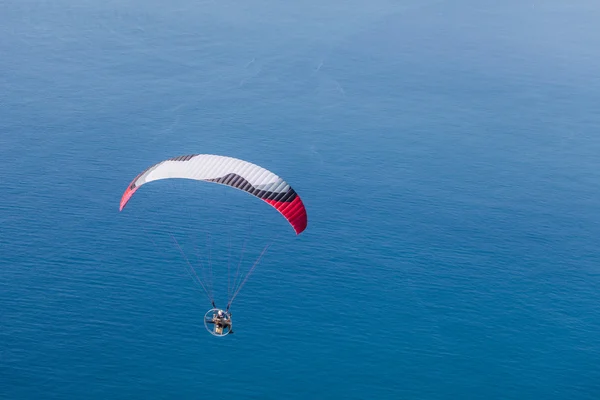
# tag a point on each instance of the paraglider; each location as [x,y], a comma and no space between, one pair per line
[221,321]
[235,173]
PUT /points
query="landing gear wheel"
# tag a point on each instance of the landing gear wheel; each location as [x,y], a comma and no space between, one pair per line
[216,325]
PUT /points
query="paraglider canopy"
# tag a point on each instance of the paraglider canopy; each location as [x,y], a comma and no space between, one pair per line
[229,171]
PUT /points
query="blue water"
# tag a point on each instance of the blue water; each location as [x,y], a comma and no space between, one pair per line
[447,153]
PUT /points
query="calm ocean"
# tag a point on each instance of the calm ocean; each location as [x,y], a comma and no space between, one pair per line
[447,154]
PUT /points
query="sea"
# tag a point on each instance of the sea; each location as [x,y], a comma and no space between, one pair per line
[447,154]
